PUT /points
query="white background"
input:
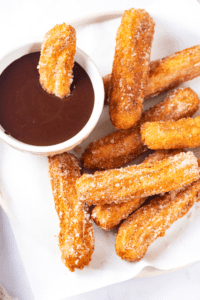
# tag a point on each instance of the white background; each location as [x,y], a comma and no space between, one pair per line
[24,19]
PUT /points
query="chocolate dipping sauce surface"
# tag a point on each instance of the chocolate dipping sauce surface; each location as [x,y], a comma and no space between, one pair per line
[33,116]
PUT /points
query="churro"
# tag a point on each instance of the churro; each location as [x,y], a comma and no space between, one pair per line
[122,146]
[172,135]
[76,239]
[130,67]
[57,60]
[151,221]
[109,216]
[106,83]
[126,184]
[168,72]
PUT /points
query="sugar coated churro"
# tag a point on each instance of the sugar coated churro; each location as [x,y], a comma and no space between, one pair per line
[151,221]
[57,60]
[172,135]
[76,235]
[122,146]
[110,215]
[121,185]
[130,67]
[168,72]
[171,71]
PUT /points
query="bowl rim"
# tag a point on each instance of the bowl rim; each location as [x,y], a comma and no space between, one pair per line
[83,133]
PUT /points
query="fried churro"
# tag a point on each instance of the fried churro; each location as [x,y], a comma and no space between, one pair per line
[172,135]
[168,72]
[109,216]
[122,146]
[151,221]
[57,60]
[130,67]
[171,71]
[147,179]
[76,239]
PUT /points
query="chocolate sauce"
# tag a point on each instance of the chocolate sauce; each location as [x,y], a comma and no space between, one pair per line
[31,115]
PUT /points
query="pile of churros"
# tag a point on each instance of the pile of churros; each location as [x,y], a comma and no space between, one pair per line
[116,195]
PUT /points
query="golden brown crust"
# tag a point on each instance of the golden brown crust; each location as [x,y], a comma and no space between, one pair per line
[57,60]
[126,184]
[151,221]
[172,135]
[106,83]
[109,216]
[162,154]
[114,150]
[167,73]
[76,239]
[122,146]
[130,67]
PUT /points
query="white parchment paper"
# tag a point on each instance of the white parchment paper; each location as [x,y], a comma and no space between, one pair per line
[26,190]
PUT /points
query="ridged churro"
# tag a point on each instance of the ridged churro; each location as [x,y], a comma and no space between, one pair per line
[168,72]
[126,184]
[130,67]
[57,60]
[76,239]
[110,215]
[151,221]
[122,146]
[172,135]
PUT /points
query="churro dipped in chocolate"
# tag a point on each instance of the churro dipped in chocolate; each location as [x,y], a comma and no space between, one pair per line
[147,179]
[57,60]
[109,216]
[168,72]
[122,146]
[76,239]
[130,68]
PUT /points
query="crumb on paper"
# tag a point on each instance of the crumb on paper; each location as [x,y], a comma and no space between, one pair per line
[77,149]
[190,216]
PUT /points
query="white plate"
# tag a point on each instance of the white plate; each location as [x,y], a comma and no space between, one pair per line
[27,192]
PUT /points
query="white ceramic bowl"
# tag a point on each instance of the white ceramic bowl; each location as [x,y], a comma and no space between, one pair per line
[85,61]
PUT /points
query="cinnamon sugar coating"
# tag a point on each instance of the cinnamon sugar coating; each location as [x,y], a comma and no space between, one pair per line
[130,67]
[172,135]
[109,216]
[147,179]
[122,146]
[151,221]
[76,239]
[57,60]
[168,72]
